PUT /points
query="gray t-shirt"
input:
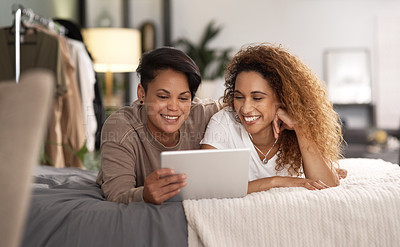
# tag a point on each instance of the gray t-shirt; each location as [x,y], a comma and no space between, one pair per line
[129,153]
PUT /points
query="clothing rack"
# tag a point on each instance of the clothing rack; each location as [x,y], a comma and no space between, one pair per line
[20,13]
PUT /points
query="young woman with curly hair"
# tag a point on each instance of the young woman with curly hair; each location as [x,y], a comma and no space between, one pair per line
[276,106]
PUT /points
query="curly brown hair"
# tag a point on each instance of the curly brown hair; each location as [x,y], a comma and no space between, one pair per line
[300,93]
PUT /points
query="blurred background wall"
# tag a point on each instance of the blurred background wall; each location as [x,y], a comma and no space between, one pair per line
[306,27]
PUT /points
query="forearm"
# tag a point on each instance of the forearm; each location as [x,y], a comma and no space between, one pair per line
[278,181]
[207,146]
[314,165]
[125,196]
[262,184]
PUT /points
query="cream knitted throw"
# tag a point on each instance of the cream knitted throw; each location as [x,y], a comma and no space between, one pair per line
[363,211]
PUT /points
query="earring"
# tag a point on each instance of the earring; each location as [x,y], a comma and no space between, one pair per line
[141,102]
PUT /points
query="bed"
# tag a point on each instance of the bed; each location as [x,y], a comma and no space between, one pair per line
[68,209]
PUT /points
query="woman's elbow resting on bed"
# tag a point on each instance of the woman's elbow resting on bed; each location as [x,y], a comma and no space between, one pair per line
[334,181]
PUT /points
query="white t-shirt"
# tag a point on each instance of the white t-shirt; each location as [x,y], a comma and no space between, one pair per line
[224,132]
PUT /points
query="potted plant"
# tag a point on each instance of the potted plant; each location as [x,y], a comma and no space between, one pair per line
[211,61]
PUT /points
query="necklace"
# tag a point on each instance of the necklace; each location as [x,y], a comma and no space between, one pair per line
[265,160]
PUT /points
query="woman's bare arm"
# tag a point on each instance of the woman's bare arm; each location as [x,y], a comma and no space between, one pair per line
[267,183]
[206,146]
[314,166]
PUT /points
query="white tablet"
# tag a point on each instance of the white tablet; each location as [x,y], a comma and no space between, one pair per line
[211,173]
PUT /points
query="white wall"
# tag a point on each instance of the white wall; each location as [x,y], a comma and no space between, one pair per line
[306,27]
[388,71]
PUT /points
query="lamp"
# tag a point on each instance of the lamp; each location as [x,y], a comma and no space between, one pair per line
[114,50]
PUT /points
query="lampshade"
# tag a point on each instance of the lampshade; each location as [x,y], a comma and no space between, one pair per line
[113,49]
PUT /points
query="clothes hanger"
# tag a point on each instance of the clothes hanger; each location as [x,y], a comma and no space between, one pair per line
[28,19]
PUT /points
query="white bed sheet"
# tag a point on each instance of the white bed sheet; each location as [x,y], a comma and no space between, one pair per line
[363,211]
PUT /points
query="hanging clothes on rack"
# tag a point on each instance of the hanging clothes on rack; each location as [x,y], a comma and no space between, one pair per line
[38,50]
[72,120]
[93,108]
[42,47]
[86,81]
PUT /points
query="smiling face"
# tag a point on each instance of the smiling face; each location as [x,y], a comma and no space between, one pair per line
[168,101]
[255,102]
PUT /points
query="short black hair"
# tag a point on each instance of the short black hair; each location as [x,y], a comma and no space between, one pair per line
[164,58]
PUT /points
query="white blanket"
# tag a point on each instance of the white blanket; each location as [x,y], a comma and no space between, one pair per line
[363,211]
